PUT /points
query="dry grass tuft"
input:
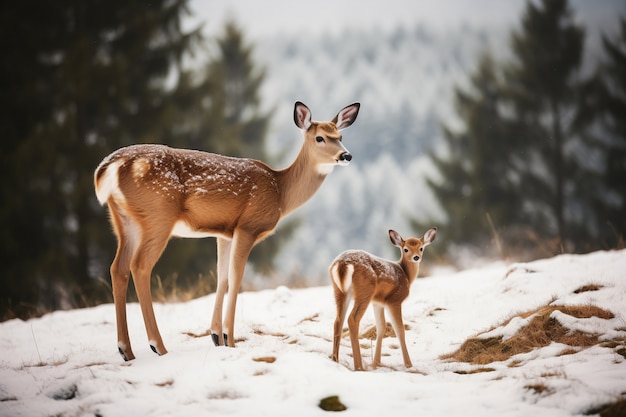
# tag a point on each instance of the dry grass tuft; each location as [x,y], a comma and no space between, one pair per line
[197,335]
[225,395]
[266,359]
[314,318]
[540,332]
[539,389]
[370,333]
[475,371]
[588,287]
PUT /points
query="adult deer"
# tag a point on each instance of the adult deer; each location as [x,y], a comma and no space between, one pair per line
[366,278]
[155,192]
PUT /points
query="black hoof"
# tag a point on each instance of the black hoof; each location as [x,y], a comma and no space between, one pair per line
[154,349]
[216,339]
[119,349]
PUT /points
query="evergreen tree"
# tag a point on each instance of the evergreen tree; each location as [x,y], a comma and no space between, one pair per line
[478,185]
[515,168]
[602,112]
[80,78]
[225,118]
[542,84]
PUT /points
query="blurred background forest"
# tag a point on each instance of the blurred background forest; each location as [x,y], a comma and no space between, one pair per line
[509,134]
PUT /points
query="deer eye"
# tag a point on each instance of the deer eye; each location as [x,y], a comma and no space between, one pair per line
[406,250]
[421,249]
[319,139]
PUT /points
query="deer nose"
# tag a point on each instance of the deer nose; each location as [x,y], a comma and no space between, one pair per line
[345,158]
[416,258]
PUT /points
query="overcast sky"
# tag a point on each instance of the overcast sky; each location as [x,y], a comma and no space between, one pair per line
[270,17]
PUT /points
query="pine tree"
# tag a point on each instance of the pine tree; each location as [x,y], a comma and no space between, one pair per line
[225,118]
[602,112]
[81,78]
[478,183]
[542,83]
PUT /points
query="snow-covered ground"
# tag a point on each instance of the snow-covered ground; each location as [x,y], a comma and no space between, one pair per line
[66,363]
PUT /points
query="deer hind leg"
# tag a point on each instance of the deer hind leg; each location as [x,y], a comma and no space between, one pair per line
[127,238]
[354,320]
[342,300]
[241,246]
[150,249]
[379,315]
[223,258]
[398,326]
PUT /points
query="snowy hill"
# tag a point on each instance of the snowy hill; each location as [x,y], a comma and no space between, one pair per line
[66,363]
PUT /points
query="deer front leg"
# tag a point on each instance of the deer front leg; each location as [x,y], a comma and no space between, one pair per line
[241,246]
[395,312]
[379,315]
[223,258]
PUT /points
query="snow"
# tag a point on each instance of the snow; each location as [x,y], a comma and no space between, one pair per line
[66,362]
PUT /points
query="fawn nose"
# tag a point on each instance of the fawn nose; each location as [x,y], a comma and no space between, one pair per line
[345,158]
[416,258]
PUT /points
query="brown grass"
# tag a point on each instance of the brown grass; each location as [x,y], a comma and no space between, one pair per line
[587,288]
[540,332]
[475,371]
[266,359]
[370,332]
[539,388]
[196,335]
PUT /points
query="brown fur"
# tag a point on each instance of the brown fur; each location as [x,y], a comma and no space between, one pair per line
[385,283]
[158,191]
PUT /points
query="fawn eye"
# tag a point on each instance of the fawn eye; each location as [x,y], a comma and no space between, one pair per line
[406,250]
[421,249]
[319,139]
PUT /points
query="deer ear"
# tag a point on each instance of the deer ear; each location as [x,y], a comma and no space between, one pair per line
[346,116]
[429,236]
[396,239]
[302,116]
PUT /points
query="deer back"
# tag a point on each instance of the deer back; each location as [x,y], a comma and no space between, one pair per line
[194,193]
[369,276]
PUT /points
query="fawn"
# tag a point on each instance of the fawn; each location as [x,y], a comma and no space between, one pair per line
[365,278]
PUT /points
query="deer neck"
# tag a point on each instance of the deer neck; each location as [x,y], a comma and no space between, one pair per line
[411,269]
[299,182]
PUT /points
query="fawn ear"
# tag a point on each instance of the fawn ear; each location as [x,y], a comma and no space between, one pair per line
[396,239]
[302,116]
[346,116]
[430,235]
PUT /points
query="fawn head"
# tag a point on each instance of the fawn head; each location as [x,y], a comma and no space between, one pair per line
[413,248]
